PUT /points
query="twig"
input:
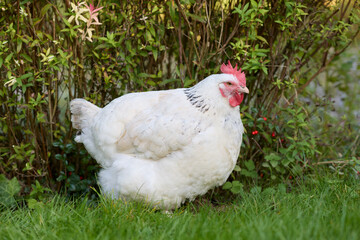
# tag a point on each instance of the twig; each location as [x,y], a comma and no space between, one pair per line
[257,144]
[333,162]
[322,68]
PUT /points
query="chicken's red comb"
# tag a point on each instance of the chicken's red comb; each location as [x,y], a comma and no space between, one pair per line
[228,69]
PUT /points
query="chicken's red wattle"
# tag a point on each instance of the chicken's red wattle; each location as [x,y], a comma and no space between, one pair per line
[236,99]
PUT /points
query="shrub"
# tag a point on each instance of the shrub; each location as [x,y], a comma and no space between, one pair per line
[52,52]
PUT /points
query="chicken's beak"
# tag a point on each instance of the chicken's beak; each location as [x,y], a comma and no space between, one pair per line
[244,90]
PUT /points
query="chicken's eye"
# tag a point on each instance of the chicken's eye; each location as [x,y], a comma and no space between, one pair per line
[229,83]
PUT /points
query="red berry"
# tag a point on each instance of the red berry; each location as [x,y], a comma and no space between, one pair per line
[358,172]
[282,140]
[273,134]
[70,173]
[264,118]
[81,178]
[261,175]
[290,177]
[255,132]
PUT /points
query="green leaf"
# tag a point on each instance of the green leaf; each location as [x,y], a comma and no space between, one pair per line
[188,82]
[155,9]
[290,121]
[8,190]
[103,45]
[143,75]
[70,168]
[274,163]
[67,24]
[273,157]
[152,31]
[237,168]
[266,164]
[248,173]
[254,4]
[236,187]
[8,57]
[250,165]
[25,76]
[245,7]
[201,19]
[151,83]
[248,116]
[18,45]
[172,12]
[95,54]
[227,185]
[265,70]
[155,53]
[45,9]
[26,57]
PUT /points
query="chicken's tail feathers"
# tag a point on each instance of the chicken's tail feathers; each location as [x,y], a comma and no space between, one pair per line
[82,113]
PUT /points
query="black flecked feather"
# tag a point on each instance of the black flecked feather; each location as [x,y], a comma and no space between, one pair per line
[196,100]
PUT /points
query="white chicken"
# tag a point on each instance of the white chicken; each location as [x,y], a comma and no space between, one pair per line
[164,147]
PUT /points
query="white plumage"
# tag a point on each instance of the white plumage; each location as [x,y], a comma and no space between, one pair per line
[164,147]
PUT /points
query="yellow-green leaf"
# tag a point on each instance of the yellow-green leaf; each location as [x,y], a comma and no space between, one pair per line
[262,39]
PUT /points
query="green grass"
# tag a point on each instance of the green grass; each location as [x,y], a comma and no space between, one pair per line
[327,210]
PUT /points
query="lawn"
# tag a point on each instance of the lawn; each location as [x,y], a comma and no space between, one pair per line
[322,210]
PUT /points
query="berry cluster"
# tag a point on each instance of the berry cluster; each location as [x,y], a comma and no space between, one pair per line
[273,134]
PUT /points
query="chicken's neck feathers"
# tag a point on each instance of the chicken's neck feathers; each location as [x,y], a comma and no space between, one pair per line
[206,97]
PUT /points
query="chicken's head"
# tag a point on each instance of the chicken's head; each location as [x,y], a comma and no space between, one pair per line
[234,88]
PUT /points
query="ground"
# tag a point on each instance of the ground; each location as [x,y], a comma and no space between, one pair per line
[327,209]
